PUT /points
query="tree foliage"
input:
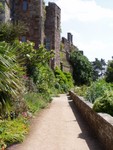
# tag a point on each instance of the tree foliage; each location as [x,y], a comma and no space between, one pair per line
[44,78]
[10,32]
[31,58]
[109,71]
[104,103]
[97,89]
[64,80]
[98,68]
[82,68]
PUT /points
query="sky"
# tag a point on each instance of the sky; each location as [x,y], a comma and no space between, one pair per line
[91,24]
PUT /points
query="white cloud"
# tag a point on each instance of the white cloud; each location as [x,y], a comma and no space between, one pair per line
[110,25]
[46,1]
[97,49]
[84,11]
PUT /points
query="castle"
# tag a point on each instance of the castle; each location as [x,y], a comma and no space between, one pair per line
[44,27]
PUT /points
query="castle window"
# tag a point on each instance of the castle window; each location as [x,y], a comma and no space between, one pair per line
[58,22]
[23,39]
[47,43]
[25,5]
[61,66]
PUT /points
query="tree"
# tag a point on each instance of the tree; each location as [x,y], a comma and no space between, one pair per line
[98,68]
[10,32]
[109,71]
[82,68]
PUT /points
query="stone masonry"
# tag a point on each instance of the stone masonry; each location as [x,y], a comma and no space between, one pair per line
[52,32]
[31,13]
[41,26]
[67,47]
[100,123]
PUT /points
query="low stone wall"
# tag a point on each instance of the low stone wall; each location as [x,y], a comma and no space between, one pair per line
[101,124]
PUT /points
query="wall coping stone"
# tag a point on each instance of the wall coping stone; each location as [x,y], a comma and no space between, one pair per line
[105,116]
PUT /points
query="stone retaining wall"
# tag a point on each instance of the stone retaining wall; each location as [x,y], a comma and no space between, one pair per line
[101,124]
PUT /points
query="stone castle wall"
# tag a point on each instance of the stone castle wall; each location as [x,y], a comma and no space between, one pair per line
[101,124]
[43,24]
[32,15]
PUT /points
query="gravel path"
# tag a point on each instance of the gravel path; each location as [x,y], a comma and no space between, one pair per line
[59,127]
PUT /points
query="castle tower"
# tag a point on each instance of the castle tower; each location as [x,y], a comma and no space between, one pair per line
[52,32]
[31,13]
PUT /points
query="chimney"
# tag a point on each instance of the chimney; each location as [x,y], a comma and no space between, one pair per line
[70,37]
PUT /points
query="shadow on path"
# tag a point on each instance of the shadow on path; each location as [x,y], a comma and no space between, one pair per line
[87,134]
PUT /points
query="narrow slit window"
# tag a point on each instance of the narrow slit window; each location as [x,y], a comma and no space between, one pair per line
[23,39]
[47,43]
[58,22]
[25,5]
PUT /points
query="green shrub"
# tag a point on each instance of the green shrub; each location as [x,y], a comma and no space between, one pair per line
[81,91]
[9,32]
[44,78]
[32,58]
[64,80]
[104,103]
[97,90]
[13,131]
[69,79]
[35,102]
